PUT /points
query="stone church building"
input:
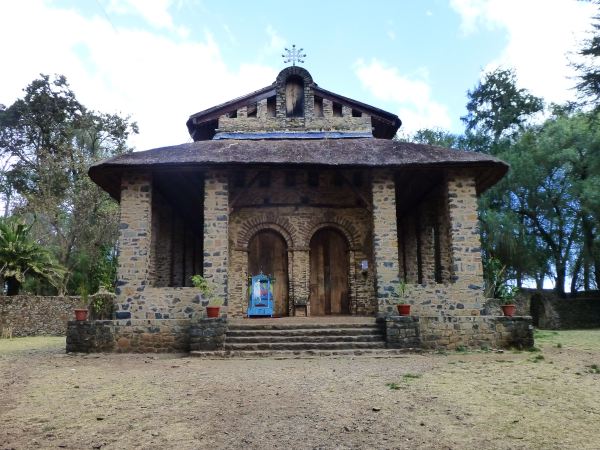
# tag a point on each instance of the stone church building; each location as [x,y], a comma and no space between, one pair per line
[309,186]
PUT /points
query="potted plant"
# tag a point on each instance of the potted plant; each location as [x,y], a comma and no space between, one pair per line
[507,299]
[208,291]
[402,292]
[81,313]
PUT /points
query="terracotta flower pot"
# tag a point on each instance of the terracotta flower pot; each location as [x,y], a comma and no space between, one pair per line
[404,309]
[509,310]
[81,314]
[212,312]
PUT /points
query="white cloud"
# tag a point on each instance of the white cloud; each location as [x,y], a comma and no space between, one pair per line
[154,12]
[541,38]
[158,80]
[411,95]
[276,42]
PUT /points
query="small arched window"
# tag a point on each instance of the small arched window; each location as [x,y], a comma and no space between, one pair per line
[294,96]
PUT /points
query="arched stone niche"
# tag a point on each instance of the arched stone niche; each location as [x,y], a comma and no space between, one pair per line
[294,94]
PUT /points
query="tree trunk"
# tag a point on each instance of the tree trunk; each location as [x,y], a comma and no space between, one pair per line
[576,271]
[561,276]
[12,286]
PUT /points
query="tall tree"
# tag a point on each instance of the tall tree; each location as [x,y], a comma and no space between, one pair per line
[50,139]
[498,109]
[589,78]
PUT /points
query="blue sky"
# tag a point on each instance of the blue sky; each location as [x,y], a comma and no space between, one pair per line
[162,60]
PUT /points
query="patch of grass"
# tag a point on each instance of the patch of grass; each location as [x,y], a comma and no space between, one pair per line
[394,386]
[534,349]
[558,345]
[462,349]
[544,334]
[594,368]
[33,343]
[582,339]
[441,352]
[411,376]
[537,358]
[503,361]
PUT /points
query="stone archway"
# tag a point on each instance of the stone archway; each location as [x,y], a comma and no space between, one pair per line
[329,273]
[268,253]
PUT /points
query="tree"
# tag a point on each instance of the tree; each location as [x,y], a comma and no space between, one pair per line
[589,78]
[50,139]
[498,109]
[435,136]
[21,256]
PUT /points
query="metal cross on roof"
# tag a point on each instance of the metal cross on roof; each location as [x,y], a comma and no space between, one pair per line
[294,55]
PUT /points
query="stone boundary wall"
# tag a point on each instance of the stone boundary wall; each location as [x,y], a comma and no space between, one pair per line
[452,332]
[411,332]
[549,311]
[29,315]
[129,336]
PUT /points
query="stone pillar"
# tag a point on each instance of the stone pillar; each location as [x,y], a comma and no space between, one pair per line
[385,238]
[464,231]
[238,283]
[299,277]
[135,238]
[216,221]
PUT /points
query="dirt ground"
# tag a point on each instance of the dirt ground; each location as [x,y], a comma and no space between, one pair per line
[549,399]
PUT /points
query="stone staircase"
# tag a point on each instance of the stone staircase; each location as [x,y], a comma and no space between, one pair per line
[302,338]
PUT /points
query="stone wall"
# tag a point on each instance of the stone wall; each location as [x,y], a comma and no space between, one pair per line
[296,209]
[208,334]
[129,336]
[452,332]
[25,315]
[402,332]
[259,118]
[549,311]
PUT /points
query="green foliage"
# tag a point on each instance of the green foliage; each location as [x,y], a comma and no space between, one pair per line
[101,306]
[496,282]
[402,291]
[589,70]
[21,256]
[48,140]
[498,108]
[207,289]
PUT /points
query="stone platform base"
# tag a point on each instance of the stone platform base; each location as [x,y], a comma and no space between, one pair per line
[209,335]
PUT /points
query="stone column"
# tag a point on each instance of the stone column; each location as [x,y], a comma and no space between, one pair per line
[135,229]
[216,221]
[464,231]
[238,283]
[385,238]
[299,279]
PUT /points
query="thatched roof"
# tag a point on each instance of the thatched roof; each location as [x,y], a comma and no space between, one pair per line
[367,152]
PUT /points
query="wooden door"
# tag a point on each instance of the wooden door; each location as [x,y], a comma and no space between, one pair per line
[267,252]
[328,273]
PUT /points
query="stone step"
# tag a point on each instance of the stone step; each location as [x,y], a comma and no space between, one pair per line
[276,338]
[336,345]
[297,326]
[307,332]
[301,354]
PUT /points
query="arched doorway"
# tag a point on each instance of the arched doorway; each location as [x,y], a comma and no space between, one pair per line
[329,273]
[267,252]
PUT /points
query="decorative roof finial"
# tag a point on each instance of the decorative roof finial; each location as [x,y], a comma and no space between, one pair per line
[294,55]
